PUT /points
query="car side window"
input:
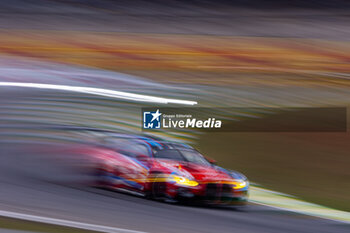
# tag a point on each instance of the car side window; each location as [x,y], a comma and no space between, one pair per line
[127,147]
[169,154]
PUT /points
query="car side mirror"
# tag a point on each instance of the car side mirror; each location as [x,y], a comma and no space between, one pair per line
[212,161]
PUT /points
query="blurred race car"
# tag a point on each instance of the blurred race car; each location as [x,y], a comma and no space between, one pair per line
[173,172]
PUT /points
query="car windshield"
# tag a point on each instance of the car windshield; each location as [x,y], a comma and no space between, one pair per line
[182,155]
[194,157]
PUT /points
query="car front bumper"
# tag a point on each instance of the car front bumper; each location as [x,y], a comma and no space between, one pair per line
[212,193]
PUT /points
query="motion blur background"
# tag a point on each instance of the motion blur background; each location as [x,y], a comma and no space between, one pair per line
[244,53]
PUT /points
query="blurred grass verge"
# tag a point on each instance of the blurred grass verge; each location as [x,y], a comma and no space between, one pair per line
[311,166]
[29,226]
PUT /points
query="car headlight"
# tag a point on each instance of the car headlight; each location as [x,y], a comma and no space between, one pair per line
[239,184]
[184,181]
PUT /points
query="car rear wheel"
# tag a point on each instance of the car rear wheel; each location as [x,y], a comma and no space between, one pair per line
[100,178]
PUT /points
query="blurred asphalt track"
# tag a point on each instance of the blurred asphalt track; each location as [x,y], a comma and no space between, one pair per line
[27,187]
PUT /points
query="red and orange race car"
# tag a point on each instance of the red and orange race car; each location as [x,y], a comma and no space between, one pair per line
[173,172]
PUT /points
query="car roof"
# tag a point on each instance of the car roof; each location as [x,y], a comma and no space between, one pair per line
[155,143]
